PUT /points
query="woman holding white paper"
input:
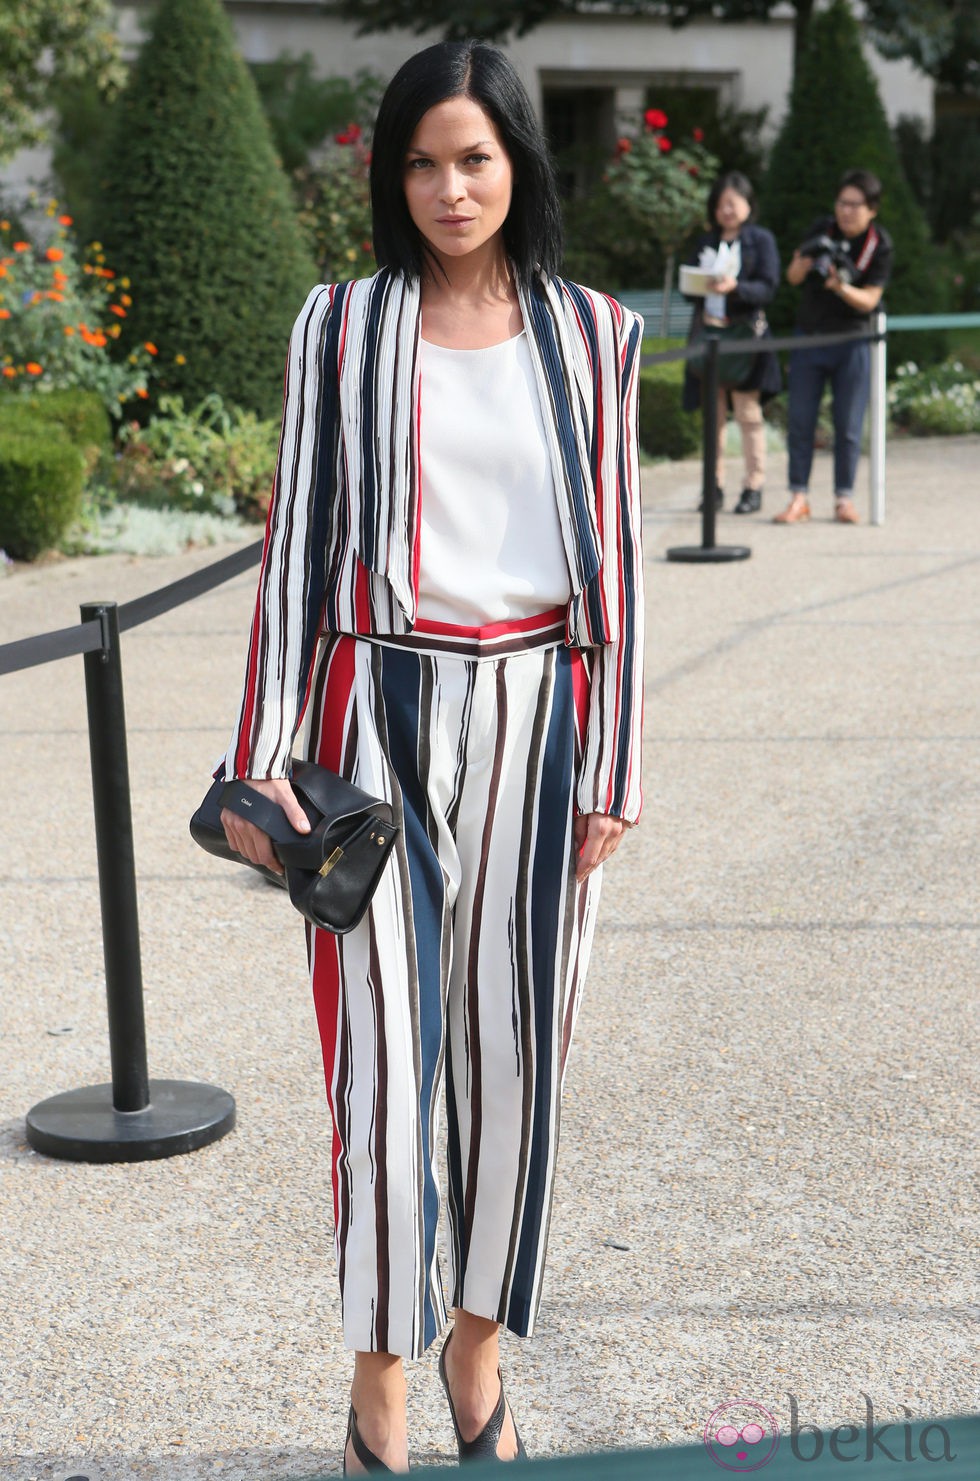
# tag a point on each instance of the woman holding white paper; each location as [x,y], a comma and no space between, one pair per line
[744,262]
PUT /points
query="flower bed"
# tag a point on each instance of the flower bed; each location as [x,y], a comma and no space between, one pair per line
[938,401]
[61,308]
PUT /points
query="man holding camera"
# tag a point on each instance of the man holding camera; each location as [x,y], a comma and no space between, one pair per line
[843,265]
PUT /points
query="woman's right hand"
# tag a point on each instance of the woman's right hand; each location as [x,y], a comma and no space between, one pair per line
[798,269]
[250,841]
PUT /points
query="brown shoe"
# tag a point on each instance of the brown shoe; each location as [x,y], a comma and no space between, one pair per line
[845,513]
[795,512]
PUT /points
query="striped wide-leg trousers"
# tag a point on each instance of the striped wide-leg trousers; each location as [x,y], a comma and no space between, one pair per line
[467,970]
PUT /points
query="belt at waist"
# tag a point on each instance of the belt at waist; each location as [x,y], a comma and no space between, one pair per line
[493,640]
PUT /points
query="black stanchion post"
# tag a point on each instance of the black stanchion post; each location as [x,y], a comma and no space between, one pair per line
[117,863]
[709,442]
[708,551]
[135,1118]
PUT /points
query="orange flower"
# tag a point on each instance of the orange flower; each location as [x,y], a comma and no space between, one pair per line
[66,220]
[115,308]
[87,267]
[3,269]
[4,225]
[9,371]
[115,330]
[4,313]
[99,340]
[54,254]
[33,368]
[69,329]
[125,300]
[56,297]
[151,348]
[142,394]
[22,246]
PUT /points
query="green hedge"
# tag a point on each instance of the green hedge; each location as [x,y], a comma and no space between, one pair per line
[81,415]
[666,431]
[41,477]
[196,211]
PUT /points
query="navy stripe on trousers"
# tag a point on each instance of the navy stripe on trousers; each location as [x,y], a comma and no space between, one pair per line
[466,973]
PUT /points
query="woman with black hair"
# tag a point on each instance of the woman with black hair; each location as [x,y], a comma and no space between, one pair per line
[452,587]
[745,262]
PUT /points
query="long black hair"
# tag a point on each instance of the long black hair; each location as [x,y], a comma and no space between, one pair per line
[468,69]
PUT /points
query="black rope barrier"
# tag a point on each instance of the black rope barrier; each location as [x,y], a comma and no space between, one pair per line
[762,345]
[134,1118]
[25,653]
[709,348]
[155,603]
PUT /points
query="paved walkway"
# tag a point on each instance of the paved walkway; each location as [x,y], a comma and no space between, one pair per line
[769,1125]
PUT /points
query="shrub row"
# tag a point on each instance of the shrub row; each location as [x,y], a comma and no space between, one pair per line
[46,445]
[666,431]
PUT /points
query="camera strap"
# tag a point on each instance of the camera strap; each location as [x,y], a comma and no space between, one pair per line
[868,250]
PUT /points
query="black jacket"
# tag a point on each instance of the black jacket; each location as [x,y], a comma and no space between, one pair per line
[758,280]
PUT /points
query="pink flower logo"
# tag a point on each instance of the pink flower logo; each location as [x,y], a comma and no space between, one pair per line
[741,1436]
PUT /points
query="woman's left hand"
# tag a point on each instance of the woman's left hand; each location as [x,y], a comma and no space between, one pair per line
[597,838]
[727,284]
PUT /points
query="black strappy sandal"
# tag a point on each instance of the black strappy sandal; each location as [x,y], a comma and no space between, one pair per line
[484,1446]
[367,1457]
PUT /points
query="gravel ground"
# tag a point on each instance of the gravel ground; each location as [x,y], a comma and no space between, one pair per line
[770,1122]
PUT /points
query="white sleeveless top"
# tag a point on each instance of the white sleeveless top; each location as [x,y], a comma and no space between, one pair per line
[491,547]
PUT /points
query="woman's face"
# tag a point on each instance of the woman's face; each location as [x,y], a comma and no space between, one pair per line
[732,210]
[458,179]
[852,212]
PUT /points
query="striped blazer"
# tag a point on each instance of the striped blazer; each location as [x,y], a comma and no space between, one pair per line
[341,547]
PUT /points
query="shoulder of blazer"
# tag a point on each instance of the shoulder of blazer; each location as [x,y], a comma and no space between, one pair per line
[758,243]
[587,308]
[759,236]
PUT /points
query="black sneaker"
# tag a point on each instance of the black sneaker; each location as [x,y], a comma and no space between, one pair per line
[750,502]
[719,500]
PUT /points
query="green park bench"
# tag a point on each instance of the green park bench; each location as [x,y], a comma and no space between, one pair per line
[649,302]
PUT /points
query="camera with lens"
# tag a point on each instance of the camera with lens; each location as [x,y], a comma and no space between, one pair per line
[827,253]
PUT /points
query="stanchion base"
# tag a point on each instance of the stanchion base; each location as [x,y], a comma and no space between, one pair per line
[84,1125]
[704,554]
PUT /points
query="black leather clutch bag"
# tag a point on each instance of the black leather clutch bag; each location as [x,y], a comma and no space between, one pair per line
[332,871]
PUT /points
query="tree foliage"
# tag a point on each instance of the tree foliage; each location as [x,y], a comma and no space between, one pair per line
[942,38]
[827,131]
[495,19]
[303,109]
[198,214]
[41,43]
[664,186]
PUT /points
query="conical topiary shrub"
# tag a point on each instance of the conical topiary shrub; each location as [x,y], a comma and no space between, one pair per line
[836,122]
[197,213]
